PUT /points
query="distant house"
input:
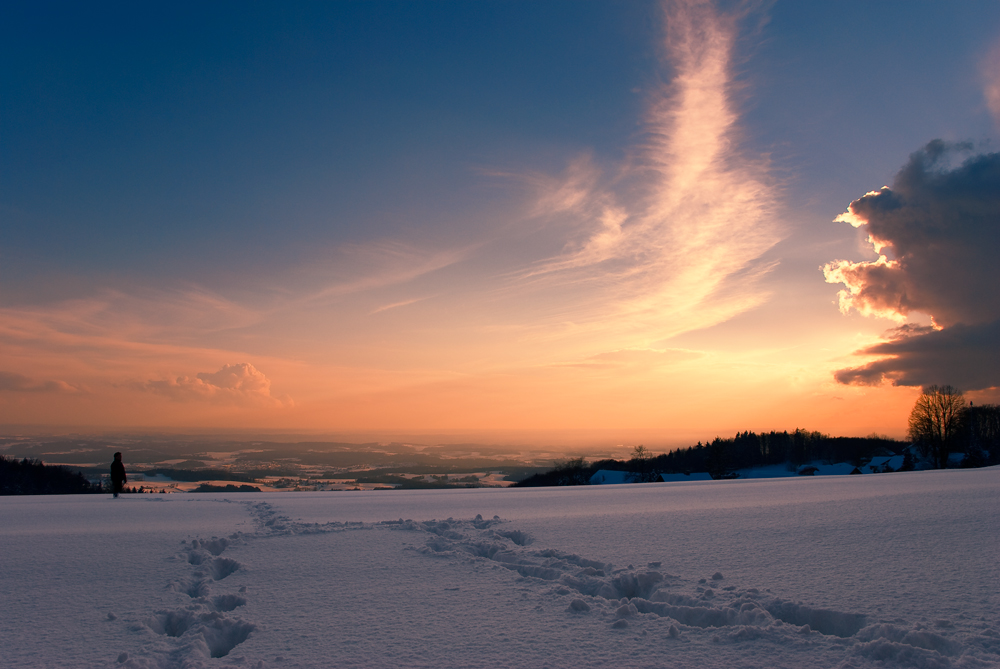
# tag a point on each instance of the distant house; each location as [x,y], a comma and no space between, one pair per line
[697,476]
[608,476]
[882,463]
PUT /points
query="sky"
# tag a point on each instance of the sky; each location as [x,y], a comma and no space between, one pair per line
[550,221]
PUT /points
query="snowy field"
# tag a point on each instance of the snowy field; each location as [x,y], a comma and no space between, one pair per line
[890,570]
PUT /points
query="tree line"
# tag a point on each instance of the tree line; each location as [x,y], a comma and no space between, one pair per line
[722,457]
[32,477]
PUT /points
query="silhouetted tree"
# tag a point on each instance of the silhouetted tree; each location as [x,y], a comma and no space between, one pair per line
[982,435]
[571,472]
[717,461]
[936,422]
[641,466]
[908,464]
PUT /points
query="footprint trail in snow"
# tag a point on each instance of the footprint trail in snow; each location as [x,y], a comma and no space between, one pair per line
[208,625]
[205,626]
[632,597]
[628,600]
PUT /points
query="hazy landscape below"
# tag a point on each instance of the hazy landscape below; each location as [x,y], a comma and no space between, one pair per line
[299,463]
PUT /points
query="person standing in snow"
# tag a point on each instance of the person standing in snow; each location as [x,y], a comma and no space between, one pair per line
[118,477]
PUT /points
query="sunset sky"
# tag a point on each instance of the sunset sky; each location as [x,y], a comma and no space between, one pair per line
[556,220]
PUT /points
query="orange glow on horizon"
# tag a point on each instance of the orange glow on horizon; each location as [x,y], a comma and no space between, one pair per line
[638,298]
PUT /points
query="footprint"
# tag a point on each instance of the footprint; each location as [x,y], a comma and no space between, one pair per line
[219,568]
[172,623]
[193,588]
[224,603]
[215,545]
[220,633]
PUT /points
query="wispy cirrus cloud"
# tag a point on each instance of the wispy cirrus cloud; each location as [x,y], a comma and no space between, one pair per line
[675,242]
[139,315]
[364,267]
[396,305]
[635,358]
[573,191]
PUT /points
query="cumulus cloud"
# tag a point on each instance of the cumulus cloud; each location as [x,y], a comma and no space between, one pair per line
[19,383]
[937,233]
[241,384]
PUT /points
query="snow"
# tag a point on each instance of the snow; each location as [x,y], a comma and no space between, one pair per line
[880,570]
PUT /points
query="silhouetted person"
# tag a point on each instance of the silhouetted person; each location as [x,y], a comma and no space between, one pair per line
[118,477]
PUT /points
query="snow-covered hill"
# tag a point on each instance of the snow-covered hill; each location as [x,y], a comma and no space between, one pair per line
[884,570]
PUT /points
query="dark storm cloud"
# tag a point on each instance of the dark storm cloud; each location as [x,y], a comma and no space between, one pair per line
[937,230]
[966,356]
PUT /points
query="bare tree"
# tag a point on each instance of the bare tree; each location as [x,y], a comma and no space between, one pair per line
[641,466]
[936,422]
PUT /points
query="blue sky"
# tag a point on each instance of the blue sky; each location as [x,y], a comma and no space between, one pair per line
[248,183]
